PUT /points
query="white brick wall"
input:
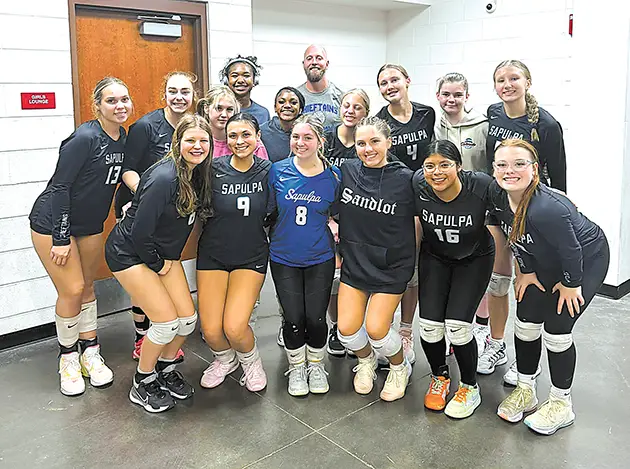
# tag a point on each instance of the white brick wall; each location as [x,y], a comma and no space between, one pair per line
[354,38]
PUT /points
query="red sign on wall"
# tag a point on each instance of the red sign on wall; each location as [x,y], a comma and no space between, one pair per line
[38,101]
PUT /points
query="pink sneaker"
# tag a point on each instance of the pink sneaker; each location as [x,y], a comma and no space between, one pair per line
[217,371]
[254,377]
[406,337]
[137,347]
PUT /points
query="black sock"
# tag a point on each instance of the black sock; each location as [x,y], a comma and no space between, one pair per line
[85,343]
[141,326]
[481,321]
[162,364]
[466,356]
[527,355]
[73,348]
[139,376]
[436,355]
[562,367]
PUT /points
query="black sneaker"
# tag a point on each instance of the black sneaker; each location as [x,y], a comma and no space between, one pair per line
[335,347]
[173,382]
[147,393]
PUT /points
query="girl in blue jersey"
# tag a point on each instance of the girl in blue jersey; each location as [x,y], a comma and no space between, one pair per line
[302,191]
[66,229]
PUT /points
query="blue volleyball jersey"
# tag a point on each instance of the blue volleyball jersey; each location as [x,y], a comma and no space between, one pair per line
[300,236]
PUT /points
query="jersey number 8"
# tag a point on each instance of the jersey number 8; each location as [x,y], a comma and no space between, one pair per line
[112,175]
[452,236]
[300,215]
[242,203]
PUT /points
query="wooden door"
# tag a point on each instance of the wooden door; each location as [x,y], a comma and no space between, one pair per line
[108,43]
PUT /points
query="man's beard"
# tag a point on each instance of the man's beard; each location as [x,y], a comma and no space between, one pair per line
[315,74]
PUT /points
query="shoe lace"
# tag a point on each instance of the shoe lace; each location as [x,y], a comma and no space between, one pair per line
[365,367]
[462,394]
[152,388]
[69,365]
[395,376]
[491,353]
[174,378]
[252,371]
[299,369]
[316,370]
[550,408]
[94,358]
[517,399]
[437,386]
[216,366]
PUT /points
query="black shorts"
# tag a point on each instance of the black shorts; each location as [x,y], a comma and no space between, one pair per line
[209,263]
[119,253]
[452,290]
[77,232]
[392,288]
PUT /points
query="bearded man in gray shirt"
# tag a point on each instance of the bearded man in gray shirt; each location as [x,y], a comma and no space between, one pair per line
[321,95]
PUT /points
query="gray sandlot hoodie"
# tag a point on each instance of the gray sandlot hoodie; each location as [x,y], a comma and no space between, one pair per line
[470,137]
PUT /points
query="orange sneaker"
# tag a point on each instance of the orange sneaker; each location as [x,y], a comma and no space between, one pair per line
[435,398]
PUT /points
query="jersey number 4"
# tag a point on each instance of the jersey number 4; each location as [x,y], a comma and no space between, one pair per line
[412,151]
[113,174]
[452,236]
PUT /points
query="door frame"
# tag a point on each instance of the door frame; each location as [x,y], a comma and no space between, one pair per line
[194,9]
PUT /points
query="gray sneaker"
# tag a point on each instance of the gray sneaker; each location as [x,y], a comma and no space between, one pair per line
[492,356]
[317,381]
[298,381]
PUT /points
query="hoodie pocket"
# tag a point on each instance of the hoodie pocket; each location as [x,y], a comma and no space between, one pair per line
[364,254]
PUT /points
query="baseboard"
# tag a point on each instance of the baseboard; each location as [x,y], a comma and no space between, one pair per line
[615,292]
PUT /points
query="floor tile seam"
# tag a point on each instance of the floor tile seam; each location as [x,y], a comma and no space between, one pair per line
[279,450]
[345,450]
[348,415]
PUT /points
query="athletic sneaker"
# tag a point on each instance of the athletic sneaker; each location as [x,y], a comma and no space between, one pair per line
[482,335]
[137,346]
[494,354]
[298,380]
[254,377]
[365,374]
[148,394]
[93,367]
[280,338]
[435,398]
[317,380]
[335,347]
[552,415]
[466,400]
[172,381]
[216,373]
[351,353]
[397,381]
[406,337]
[511,376]
[71,380]
[522,399]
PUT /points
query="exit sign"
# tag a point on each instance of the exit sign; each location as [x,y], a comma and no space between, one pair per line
[38,101]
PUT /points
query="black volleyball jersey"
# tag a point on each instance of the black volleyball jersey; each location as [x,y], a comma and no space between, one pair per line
[376,222]
[234,235]
[550,146]
[335,151]
[77,199]
[455,230]
[149,140]
[557,237]
[410,140]
[152,227]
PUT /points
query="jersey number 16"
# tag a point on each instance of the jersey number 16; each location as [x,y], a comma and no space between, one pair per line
[452,236]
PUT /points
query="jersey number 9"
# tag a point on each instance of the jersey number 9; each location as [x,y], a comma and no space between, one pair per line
[242,203]
[452,236]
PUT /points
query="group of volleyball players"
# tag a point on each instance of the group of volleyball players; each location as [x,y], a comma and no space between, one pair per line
[355,215]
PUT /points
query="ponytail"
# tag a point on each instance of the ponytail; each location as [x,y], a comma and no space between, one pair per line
[533,115]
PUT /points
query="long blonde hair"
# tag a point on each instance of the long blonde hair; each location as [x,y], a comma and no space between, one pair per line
[192,78]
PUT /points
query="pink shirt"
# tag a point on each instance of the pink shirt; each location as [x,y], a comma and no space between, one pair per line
[220,148]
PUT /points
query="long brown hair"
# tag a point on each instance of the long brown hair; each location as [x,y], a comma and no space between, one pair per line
[97,94]
[518,224]
[531,104]
[195,190]
[316,125]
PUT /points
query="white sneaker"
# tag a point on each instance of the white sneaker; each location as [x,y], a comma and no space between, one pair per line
[72,383]
[494,354]
[397,381]
[511,376]
[298,378]
[317,374]
[406,337]
[552,415]
[365,374]
[520,401]
[466,400]
[481,335]
[93,367]
[280,337]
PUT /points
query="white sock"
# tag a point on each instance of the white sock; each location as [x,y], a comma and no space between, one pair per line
[560,394]
[497,342]
[248,358]
[225,356]
[527,380]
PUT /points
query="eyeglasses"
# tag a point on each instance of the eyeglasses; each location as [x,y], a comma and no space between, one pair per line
[518,166]
[430,167]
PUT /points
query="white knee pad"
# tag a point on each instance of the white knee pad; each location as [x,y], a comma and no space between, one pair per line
[187,325]
[431,331]
[499,284]
[527,331]
[162,333]
[87,319]
[557,342]
[389,345]
[458,332]
[356,341]
[67,330]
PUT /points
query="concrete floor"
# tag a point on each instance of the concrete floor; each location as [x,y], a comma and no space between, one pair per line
[229,427]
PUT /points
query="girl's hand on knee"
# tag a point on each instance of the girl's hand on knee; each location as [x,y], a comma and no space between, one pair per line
[522,281]
[60,254]
[166,268]
[571,296]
